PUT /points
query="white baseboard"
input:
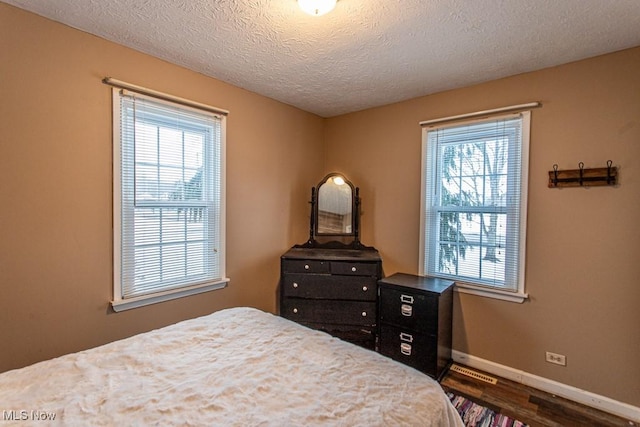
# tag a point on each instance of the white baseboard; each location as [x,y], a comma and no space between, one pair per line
[584,397]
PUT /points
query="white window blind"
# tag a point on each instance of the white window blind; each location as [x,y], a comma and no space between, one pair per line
[474,202]
[168,197]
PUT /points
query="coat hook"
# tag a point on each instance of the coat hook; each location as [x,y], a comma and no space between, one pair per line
[583,177]
[581,166]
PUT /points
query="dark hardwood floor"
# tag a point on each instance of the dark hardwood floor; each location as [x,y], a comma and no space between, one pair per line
[527,404]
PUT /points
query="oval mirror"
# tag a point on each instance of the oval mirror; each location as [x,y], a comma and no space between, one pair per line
[335,206]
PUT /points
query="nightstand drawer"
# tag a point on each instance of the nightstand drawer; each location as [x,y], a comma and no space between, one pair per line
[324,286]
[410,310]
[409,347]
[337,312]
[306,266]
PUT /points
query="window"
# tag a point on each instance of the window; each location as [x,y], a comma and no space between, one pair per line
[168,200]
[474,204]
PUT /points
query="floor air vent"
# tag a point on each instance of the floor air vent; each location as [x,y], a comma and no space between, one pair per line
[473,374]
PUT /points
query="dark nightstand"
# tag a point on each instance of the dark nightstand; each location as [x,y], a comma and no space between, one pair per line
[414,320]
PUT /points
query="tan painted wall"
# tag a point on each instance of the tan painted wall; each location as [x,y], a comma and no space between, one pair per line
[583,245]
[56,183]
[55,186]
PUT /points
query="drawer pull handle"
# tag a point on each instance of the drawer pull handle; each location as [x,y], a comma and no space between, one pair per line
[306,266]
[406,337]
[406,310]
[405,349]
[295,310]
[364,314]
[295,285]
[353,269]
[406,299]
[364,288]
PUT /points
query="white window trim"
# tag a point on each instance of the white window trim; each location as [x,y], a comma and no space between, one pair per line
[519,295]
[119,303]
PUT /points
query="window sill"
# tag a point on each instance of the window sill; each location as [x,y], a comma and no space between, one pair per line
[466,288]
[141,301]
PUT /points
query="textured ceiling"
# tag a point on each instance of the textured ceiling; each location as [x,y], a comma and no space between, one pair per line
[364,53]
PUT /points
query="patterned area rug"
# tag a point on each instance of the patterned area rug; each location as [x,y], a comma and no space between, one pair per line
[474,415]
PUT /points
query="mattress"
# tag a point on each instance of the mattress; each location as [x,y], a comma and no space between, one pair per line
[235,367]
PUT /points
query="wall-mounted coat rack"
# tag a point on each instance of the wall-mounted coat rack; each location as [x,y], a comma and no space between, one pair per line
[582,177]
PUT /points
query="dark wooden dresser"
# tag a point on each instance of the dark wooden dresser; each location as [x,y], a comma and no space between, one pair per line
[333,290]
[415,315]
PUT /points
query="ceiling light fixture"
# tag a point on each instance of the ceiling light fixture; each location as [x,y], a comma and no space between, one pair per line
[317,7]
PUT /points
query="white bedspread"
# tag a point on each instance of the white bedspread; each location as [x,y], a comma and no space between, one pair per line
[236,367]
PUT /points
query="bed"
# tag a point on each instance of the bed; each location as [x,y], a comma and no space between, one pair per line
[235,367]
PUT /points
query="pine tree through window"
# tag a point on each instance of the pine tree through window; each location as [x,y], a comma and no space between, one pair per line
[474,202]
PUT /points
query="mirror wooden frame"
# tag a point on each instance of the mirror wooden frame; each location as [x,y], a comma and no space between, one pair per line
[331,196]
[335,240]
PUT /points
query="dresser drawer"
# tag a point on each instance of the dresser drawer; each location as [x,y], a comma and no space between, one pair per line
[306,266]
[354,268]
[409,347]
[324,286]
[328,311]
[410,310]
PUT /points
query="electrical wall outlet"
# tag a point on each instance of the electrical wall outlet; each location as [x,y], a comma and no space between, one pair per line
[558,359]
